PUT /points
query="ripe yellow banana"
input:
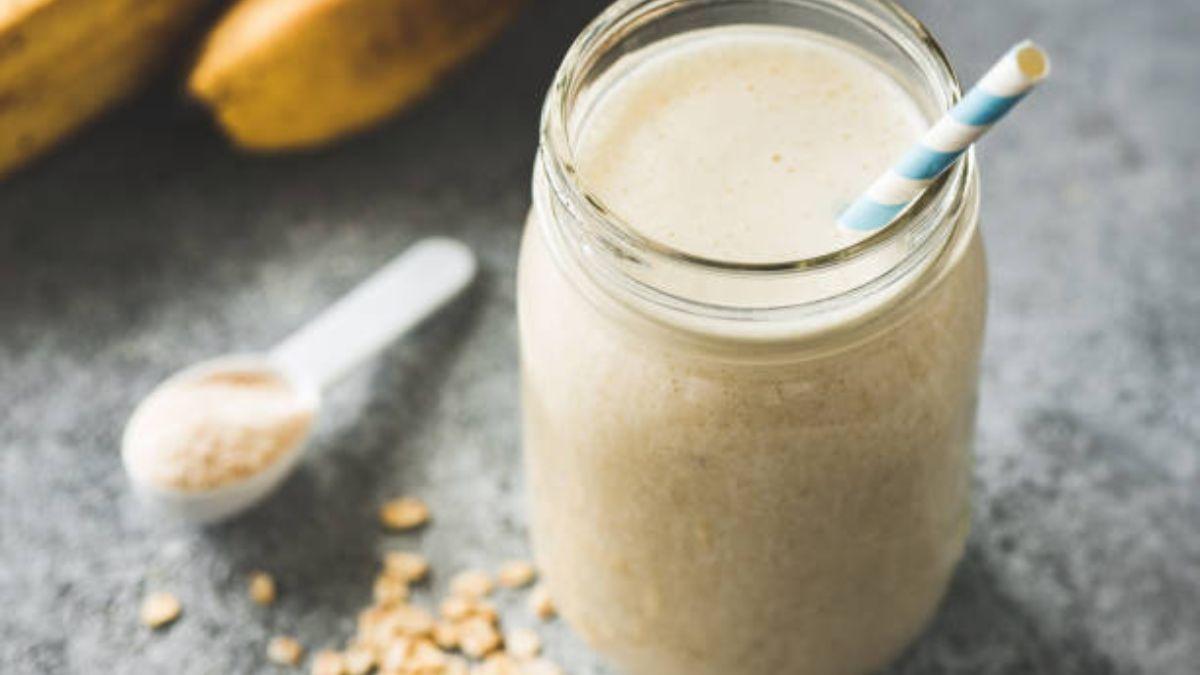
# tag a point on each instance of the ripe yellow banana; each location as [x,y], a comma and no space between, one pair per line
[64,61]
[292,74]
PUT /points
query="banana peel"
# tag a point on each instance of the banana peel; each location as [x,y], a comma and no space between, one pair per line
[62,62]
[295,74]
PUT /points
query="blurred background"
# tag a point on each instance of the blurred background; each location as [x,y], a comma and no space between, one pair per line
[147,240]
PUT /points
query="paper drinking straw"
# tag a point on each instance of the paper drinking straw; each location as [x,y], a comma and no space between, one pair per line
[990,99]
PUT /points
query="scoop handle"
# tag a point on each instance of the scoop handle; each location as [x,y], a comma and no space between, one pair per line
[385,306]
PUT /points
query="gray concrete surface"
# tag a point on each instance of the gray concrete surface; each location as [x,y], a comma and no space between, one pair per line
[147,243]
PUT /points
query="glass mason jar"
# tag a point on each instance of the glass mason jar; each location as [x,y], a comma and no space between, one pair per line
[723,485]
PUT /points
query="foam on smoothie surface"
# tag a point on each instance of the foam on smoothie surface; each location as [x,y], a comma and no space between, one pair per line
[743,143]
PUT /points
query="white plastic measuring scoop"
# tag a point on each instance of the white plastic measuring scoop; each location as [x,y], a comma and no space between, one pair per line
[385,306]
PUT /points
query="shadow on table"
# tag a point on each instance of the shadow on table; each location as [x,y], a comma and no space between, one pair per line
[982,629]
[318,532]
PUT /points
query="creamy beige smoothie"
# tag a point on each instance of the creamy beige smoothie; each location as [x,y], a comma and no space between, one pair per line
[745,143]
[697,510]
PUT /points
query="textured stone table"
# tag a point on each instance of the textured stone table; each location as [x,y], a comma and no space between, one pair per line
[147,244]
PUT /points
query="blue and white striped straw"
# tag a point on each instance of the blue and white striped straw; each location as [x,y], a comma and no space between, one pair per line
[990,99]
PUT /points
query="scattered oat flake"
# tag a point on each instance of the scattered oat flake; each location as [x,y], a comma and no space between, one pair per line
[456,665]
[284,650]
[472,584]
[390,591]
[523,643]
[486,610]
[426,656]
[541,604]
[412,620]
[455,608]
[328,662]
[262,588]
[372,620]
[405,513]
[499,664]
[358,661]
[410,567]
[160,609]
[396,654]
[477,637]
[445,634]
[516,574]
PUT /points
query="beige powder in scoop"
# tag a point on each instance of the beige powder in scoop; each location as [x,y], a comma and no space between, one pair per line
[215,428]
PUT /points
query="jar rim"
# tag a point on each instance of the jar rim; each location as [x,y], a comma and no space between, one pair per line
[918,222]
[676,287]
